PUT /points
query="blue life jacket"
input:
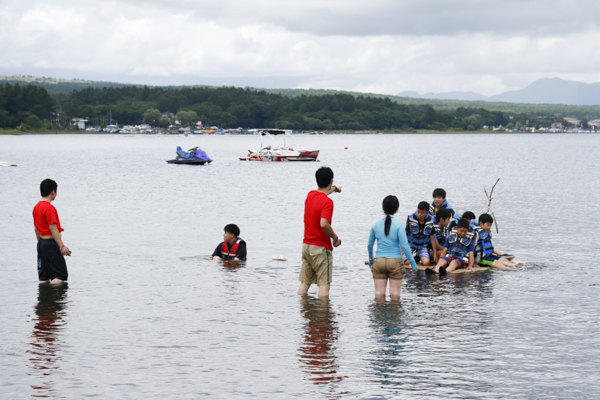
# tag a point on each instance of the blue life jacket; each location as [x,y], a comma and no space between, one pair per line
[418,235]
[440,233]
[484,245]
[454,221]
[457,247]
[443,205]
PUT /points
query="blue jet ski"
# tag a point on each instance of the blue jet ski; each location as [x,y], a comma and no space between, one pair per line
[193,156]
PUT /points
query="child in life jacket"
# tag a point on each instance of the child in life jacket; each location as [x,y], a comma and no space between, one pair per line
[485,253]
[440,231]
[233,247]
[439,202]
[458,250]
[419,232]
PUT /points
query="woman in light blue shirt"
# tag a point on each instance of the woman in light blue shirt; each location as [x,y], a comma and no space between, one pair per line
[388,263]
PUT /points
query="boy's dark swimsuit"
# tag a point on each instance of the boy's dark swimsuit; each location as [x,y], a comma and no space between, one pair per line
[51,263]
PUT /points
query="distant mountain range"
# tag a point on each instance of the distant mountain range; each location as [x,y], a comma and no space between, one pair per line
[542,91]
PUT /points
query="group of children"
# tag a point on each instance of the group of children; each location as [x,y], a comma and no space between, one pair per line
[436,232]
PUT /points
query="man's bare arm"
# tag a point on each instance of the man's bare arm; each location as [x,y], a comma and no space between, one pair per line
[64,250]
[326,226]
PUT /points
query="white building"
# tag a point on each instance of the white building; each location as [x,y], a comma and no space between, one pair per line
[80,122]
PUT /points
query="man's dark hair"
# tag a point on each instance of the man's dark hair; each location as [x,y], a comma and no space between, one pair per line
[233,229]
[462,223]
[483,218]
[439,192]
[47,186]
[468,215]
[324,176]
[443,213]
[423,206]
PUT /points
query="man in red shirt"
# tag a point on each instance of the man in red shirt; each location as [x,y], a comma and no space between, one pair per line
[50,248]
[319,237]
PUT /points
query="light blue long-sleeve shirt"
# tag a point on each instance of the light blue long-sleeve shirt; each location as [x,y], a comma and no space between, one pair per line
[389,246]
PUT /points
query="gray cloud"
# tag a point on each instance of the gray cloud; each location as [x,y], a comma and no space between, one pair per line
[378,46]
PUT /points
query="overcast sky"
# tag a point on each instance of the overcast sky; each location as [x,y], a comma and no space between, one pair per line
[380,46]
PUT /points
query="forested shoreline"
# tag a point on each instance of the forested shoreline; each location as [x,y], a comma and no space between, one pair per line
[32,107]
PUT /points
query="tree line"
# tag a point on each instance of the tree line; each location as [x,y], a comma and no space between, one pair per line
[230,107]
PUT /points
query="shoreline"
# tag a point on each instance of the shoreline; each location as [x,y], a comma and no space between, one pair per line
[15,132]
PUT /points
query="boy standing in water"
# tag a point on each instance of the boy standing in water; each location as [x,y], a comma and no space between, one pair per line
[319,237]
[50,247]
[439,202]
[232,247]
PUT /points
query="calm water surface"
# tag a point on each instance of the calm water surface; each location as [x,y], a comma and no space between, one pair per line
[146,316]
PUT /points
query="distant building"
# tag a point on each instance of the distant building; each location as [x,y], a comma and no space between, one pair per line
[594,122]
[572,121]
[80,122]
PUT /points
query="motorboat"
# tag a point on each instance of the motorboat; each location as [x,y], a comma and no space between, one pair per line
[194,156]
[277,152]
[6,164]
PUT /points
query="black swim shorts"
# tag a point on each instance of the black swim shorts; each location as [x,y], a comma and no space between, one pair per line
[51,264]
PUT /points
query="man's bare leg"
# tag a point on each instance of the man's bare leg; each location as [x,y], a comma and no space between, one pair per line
[324,290]
[57,282]
[303,289]
[44,282]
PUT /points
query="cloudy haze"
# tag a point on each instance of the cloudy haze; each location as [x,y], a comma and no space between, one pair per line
[369,46]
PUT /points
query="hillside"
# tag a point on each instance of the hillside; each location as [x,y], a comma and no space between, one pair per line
[62,86]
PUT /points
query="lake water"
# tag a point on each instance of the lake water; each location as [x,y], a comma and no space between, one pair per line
[146,316]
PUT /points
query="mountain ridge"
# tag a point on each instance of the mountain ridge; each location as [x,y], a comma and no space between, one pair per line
[541,91]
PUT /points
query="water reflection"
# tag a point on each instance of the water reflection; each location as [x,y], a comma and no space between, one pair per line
[317,351]
[388,357]
[45,339]
[232,266]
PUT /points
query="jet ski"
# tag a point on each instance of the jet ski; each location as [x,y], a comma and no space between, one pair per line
[194,156]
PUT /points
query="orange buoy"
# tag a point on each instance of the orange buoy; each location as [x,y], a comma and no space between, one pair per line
[345,148]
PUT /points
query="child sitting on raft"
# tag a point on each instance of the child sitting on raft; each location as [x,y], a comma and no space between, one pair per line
[419,231]
[488,256]
[458,246]
[439,202]
[440,231]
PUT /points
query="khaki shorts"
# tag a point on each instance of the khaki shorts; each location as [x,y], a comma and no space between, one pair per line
[384,268]
[317,265]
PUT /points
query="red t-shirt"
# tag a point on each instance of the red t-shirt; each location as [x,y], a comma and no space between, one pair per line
[44,215]
[317,205]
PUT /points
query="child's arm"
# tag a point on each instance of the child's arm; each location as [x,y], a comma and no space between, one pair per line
[444,251]
[435,248]
[471,260]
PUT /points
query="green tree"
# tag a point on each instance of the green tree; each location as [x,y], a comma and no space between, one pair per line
[187,118]
[152,116]
[32,122]
[163,121]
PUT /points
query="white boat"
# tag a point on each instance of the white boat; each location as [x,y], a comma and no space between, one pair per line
[5,164]
[276,152]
